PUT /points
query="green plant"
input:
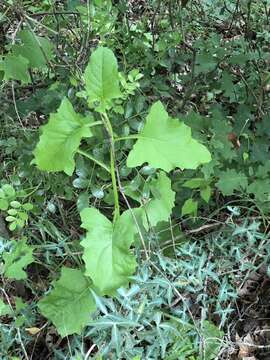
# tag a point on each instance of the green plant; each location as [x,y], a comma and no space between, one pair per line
[16,211]
[163,143]
[180,243]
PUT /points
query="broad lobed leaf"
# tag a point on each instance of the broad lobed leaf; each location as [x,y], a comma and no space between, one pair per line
[166,143]
[36,49]
[70,304]
[60,139]
[15,260]
[107,255]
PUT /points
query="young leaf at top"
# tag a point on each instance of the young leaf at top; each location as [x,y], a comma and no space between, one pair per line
[160,207]
[101,78]
[166,143]
[17,259]
[70,303]
[60,139]
[37,50]
[107,256]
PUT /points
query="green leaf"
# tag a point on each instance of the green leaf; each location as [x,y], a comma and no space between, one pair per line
[107,256]
[160,207]
[212,337]
[60,139]
[16,68]
[3,204]
[194,183]
[260,188]
[230,180]
[101,78]
[190,207]
[8,190]
[37,50]
[4,308]
[70,303]
[167,143]
[15,204]
[206,193]
[205,62]
[17,259]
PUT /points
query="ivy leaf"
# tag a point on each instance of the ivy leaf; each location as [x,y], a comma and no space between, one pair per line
[230,180]
[107,256]
[205,193]
[101,78]
[16,68]
[37,50]
[195,183]
[160,207]
[190,207]
[167,143]
[70,303]
[60,139]
[17,259]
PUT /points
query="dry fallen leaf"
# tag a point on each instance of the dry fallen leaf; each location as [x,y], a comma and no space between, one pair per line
[246,348]
[33,330]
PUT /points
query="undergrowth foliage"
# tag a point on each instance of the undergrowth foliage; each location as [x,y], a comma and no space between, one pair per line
[134,179]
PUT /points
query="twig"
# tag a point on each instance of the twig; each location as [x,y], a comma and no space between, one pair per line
[90,351]
[15,106]
[18,330]
[153,24]
[56,13]
[202,228]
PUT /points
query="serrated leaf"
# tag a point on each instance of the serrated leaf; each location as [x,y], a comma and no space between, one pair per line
[166,143]
[16,68]
[231,180]
[160,207]
[260,188]
[70,303]
[101,78]
[37,50]
[60,139]
[107,255]
[17,259]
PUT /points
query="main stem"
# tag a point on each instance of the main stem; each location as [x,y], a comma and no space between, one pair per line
[109,129]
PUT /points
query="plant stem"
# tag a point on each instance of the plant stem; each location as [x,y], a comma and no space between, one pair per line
[128,137]
[95,123]
[100,163]
[109,129]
